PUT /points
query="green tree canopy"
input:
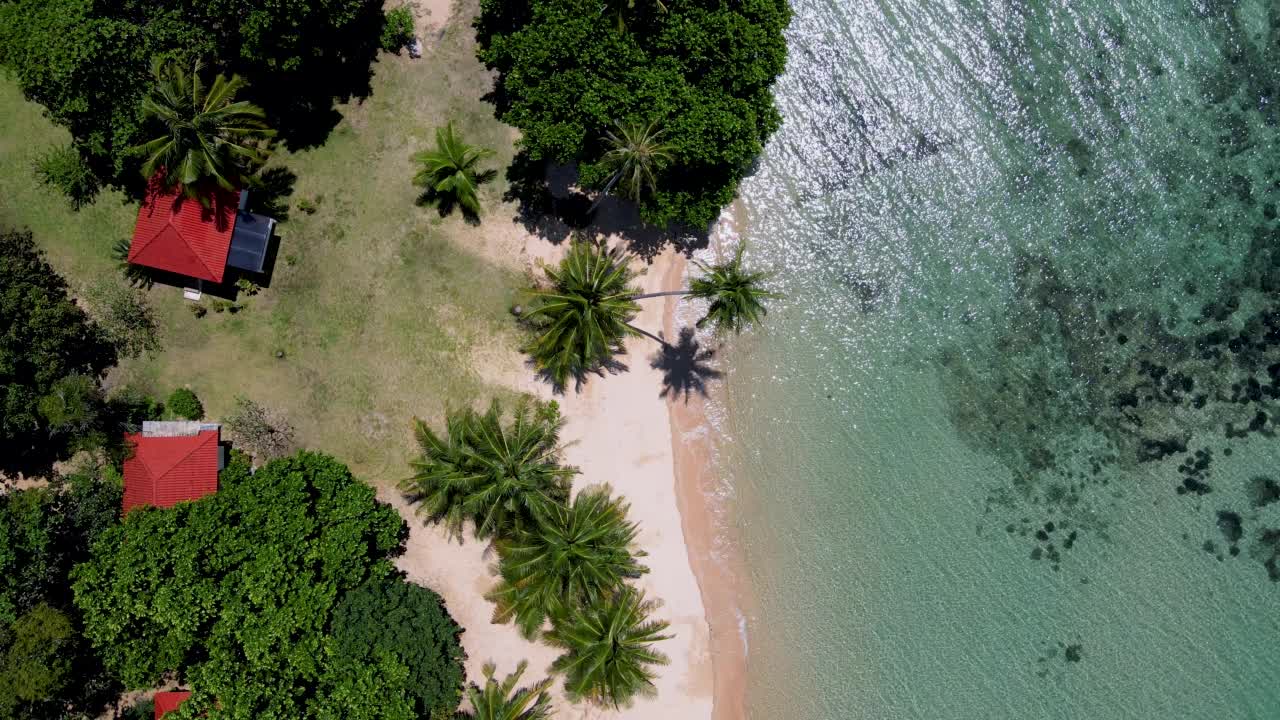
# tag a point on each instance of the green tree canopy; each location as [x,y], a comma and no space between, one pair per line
[406,623]
[488,470]
[237,592]
[703,70]
[88,62]
[45,338]
[573,556]
[46,667]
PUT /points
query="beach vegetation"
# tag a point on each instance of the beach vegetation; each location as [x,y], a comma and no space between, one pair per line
[63,168]
[204,134]
[505,701]
[493,471]
[701,71]
[47,668]
[136,275]
[635,155]
[48,344]
[580,317]
[574,555]
[184,404]
[238,592]
[397,28]
[449,175]
[608,657]
[392,618]
[263,433]
[88,62]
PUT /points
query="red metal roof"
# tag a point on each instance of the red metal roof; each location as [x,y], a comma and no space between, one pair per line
[164,471]
[182,236]
[167,702]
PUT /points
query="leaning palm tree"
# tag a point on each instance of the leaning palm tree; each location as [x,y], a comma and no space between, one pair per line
[135,275]
[608,657]
[736,295]
[575,555]
[491,472]
[581,320]
[636,153]
[496,702]
[207,135]
[449,171]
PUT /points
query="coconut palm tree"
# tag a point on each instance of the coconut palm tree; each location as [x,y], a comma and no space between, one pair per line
[491,472]
[736,295]
[449,172]
[608,657]
[572,556]
[208,136]
[581,320]
[636,153]
[496,702]
[136,275]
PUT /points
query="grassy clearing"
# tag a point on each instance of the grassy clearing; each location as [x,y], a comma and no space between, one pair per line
[379,306]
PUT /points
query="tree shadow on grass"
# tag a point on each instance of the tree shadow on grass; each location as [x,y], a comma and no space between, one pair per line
[270,190]
[685,367]
[446,203]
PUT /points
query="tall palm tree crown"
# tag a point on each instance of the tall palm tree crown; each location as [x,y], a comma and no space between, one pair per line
[496,701]
[208,135]
[737,296]
[607,657]
[582,319]
[449,171]
[574,555]
[491,472]
[636,153]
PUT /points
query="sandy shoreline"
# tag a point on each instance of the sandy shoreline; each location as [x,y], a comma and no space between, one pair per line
[620,431]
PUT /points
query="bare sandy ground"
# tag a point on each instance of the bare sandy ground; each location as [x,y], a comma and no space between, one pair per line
[618,433]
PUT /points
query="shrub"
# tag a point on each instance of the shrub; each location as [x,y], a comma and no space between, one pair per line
[397,29]
[125,317]
[63,168]
[184,404]
[262,433]
[248,287]
[198,310]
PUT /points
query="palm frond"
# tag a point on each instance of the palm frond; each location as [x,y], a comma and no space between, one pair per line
[737,296]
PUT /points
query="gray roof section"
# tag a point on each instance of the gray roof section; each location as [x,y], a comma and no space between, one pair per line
[175,428]
[249,241]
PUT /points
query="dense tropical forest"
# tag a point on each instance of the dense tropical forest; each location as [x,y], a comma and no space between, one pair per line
[278,596]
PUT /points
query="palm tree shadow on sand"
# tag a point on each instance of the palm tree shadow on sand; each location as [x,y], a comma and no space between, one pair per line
[685,366]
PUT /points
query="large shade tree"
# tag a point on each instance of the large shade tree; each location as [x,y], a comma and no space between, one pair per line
[575,555]
[608,656]
[237,592]
[581,317]
[703,70]
[205,136]
[489,470]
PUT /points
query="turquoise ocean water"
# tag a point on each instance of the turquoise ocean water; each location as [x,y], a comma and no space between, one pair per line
[1008,448]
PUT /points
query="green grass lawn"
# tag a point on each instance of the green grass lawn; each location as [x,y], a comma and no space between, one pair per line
[379,305]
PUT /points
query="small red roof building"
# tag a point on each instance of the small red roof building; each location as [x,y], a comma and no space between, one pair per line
[167,702]
[181,235]
[171,463]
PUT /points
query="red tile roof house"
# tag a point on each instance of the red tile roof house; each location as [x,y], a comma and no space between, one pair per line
[172,462]
[167,702]
[185,237]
